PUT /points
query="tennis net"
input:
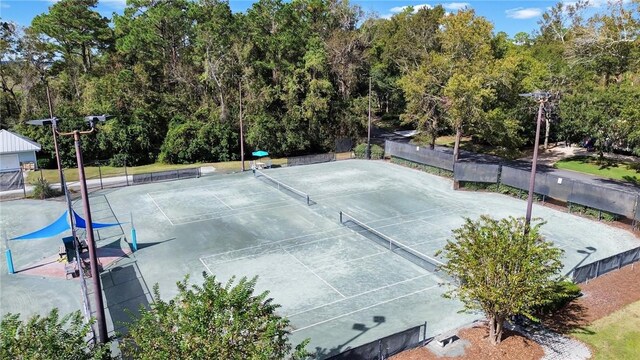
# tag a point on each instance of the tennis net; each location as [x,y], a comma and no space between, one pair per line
[291,191]
[425,261]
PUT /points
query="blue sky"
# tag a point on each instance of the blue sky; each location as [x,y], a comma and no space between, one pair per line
[510,16]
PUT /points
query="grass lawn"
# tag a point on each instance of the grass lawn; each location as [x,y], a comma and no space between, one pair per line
[92,172]
[606,168]
[617,336]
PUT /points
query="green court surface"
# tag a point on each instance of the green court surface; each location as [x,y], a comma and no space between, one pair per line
[337,286]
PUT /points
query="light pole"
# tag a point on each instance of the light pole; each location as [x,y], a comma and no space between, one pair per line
[368,154]
[241,127]
[53,121]
[541,97]
[93,260]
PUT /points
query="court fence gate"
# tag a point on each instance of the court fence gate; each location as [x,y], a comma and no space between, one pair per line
[516,175]
[387,346]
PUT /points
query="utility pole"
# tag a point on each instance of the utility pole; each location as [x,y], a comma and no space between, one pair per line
[93,255]
[63,188]
[541,97]
[241,127]
[368,154]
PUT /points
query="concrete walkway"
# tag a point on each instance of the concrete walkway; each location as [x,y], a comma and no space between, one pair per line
[554,345]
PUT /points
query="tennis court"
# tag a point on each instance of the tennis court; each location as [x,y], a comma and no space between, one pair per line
[341,283]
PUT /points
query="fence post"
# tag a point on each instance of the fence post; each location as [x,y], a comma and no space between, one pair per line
[424,334]
[24,184]
[126,176]
[380,355]
[100,174]
[9,261]
[341,217]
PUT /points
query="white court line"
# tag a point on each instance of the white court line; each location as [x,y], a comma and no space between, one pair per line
[356,295]
[217,198]
[352,260]
[212,184]
[364,308]
[205,265]
[218,216]
[279,241]
[313,272]
[158,206]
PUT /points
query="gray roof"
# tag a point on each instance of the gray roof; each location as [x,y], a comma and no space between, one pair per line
[14,143]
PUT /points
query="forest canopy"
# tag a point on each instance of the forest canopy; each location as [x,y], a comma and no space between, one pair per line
[173,73]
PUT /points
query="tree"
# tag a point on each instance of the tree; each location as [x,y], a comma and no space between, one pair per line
[212,321]
[466,44]
[501,271]
[48,337]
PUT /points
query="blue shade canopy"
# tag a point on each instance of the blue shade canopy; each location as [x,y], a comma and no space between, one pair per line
[82,224]
[59,226]
[260,153]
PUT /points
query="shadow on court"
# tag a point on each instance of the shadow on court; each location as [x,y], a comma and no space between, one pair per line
[322,353]
[125,292]
[150,244]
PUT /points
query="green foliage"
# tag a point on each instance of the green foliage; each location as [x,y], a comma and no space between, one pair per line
[593,213]
[48,337]
[501,270]
[360,151]
[563,293]
[211,321]
[42,190]
[175,71]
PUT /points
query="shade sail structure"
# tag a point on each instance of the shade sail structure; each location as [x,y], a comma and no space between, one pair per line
[59,226]
[260,153]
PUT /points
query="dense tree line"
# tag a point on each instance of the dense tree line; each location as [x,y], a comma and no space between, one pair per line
[173,72]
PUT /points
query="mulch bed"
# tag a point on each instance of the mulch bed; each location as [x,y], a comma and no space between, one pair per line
[601,297]
[513,347]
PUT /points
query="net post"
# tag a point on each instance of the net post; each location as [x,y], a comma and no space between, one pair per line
[308,201]
[424,336]
[340,217]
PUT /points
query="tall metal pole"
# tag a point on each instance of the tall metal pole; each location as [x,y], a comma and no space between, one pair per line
[369,125]
[241,127]
[95,276]
[55,140]
[532,179]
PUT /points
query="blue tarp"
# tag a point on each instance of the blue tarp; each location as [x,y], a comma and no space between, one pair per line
[59,226]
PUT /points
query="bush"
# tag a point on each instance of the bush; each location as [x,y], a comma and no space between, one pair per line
[42,190]
[212,321]
[48,337]
[564,292]
[377,152]
[593,213]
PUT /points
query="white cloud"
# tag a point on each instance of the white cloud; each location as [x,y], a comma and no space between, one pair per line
[523,13]
[4,6]
[120,4]
[398,9]
[456,5]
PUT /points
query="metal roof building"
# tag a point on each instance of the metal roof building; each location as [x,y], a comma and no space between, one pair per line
[15,150]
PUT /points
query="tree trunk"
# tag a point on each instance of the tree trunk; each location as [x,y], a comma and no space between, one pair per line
[496,326]
[456,154]
[547,128]
[456,146]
